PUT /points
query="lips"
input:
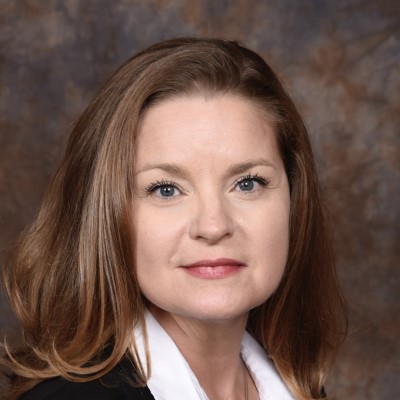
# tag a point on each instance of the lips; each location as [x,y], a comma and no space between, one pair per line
[219,268]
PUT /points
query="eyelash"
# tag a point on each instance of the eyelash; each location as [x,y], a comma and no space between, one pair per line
[250,177]
[253,177]
[158,184]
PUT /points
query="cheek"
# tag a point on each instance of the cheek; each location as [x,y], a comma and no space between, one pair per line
[273,237]
[269,237]
[157,235]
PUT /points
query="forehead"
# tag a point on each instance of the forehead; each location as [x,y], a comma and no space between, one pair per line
[198,128]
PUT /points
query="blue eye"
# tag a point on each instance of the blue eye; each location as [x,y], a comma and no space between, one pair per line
[246,185]
[166,191]
[250,183]
[163,189]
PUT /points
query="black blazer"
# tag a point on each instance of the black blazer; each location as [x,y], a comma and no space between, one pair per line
[112,386]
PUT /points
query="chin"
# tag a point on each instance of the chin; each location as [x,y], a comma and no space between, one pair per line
[211,306]
[216,312]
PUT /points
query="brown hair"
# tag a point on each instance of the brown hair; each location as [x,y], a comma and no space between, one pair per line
[71,279]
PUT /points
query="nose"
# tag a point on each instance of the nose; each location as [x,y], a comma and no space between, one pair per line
[212,220]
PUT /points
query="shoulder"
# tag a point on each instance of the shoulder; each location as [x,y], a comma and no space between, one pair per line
[60,389]
[112,386]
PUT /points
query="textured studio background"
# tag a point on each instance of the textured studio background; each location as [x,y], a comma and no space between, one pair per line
[341,62]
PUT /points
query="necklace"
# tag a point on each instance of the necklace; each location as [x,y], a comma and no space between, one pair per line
[246,389]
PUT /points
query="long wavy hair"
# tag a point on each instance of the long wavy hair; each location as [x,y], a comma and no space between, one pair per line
[71,278]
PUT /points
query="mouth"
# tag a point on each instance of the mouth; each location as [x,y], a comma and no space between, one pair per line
[212,269]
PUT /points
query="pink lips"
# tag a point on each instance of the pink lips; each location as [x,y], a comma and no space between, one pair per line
[218,268]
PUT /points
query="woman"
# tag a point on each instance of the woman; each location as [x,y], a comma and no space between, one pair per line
[182,250]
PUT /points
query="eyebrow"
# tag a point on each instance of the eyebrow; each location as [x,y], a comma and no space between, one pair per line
[183,172]
[246,165]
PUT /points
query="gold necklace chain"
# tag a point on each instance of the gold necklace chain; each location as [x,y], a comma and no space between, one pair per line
[246,389]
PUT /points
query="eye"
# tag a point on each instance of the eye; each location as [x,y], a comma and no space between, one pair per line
[247,185]
[250,183]
[164,189]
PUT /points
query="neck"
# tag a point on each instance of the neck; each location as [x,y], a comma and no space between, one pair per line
[212,350]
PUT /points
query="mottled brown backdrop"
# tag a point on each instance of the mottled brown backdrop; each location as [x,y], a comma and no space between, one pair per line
[341,62]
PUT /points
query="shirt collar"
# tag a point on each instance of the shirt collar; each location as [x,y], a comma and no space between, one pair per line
[172,379]
[269,383]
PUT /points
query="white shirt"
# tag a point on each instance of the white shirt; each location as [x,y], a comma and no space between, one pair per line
[172,379]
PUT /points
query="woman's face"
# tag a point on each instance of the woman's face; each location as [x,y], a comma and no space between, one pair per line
[211,207]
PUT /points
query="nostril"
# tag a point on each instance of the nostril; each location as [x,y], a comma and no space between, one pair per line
[211,230]
[211,219]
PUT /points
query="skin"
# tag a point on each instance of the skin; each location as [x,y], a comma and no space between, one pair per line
[213,212]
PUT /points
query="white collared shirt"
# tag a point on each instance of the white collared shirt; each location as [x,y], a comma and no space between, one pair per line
[172,378]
